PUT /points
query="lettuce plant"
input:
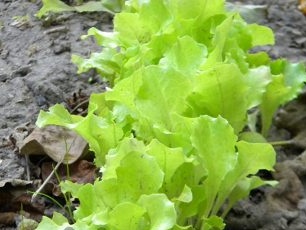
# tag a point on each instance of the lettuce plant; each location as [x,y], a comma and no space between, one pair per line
[57,6]
[183,81]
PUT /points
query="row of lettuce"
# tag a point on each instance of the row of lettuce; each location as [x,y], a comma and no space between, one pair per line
[168,133]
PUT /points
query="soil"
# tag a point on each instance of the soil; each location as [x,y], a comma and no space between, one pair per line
[36,72]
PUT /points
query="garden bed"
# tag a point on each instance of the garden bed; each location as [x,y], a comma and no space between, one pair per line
[36,72]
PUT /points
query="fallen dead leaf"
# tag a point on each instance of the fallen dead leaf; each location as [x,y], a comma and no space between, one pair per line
[57,142]
[7,218]
[302,6]
[16,200]
[81,172]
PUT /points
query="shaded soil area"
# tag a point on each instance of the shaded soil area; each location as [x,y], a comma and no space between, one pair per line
[36,72]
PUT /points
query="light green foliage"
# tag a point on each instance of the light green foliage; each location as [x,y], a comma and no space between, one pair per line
[114,6]
[165,134]
[58,6]
[151,180]
[285,85]
[101,133]
[54,6]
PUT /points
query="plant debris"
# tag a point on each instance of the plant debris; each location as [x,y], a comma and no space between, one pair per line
[57,142]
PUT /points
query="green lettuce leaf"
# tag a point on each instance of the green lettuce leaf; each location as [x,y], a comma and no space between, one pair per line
[100,133]
[218,93]
[58,6]
[287,82]
[160,210]
[127,216]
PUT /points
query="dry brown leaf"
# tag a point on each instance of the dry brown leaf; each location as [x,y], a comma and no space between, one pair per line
[81,172]
[302,6]
[14,201]
[7,218]
[57,142]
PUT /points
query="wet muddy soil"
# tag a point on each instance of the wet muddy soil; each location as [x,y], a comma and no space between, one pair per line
[36,72]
